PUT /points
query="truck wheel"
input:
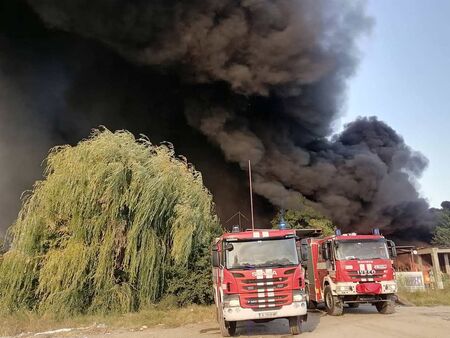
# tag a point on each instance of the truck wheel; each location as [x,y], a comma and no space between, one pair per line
[387,307]
[333,304]
[310,304]
[231,328]
[295,325]
[227,329]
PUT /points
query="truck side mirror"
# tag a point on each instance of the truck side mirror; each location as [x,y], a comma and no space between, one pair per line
[304,251]
[215,258]
[391,248]
[325,252]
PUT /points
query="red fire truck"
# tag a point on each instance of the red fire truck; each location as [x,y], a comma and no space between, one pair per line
[257,276]
[349,269]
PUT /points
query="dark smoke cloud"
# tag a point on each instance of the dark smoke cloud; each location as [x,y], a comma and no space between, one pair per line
[30,89]
[260,79]
[445,205]
[55,87]
[254,45]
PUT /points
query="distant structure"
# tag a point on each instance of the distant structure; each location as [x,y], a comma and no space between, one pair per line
[431,262]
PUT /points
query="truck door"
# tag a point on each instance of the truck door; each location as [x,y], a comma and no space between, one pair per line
[324,263]
[217,262]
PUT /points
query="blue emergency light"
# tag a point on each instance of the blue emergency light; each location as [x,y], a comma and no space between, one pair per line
[282,225]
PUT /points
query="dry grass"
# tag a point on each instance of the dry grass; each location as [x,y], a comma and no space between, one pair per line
[25,322]
[427,298]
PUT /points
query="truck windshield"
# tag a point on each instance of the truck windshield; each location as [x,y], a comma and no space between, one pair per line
[361,249]
[262,253]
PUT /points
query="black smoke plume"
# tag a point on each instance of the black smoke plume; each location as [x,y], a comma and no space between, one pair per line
[445,205]
[257,79]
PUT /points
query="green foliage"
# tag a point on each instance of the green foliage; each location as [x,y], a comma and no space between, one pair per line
[106,228]
[2,246]
[192,283]
[306,217]
[441,236]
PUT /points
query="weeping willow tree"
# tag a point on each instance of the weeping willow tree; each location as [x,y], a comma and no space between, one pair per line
[2,248]
[100,231]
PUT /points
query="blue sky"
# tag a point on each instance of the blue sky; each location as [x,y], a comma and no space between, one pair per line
[404,79]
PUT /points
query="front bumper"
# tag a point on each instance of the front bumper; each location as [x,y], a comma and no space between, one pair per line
[350,288]
[239,313]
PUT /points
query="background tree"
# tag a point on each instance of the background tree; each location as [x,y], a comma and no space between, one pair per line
[2,246]
[441,235]
[113,220]
[306,217]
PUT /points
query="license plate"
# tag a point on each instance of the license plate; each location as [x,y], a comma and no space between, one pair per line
[267,314]
[366,299]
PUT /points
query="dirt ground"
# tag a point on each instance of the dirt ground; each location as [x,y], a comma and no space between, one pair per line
[408,322]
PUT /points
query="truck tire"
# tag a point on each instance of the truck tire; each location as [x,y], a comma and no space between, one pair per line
[227,329]
[387,307]
[231,328]
[310,304]
[295,325]
[333,304]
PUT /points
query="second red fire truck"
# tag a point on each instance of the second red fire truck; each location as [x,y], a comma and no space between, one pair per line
[349,269]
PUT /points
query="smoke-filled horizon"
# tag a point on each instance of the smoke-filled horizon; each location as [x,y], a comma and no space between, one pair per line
[258,79]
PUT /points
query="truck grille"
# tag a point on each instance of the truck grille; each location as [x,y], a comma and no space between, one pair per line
[354,274]
[265,293]
[273,280]
[264,287]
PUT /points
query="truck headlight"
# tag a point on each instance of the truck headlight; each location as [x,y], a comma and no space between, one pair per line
[391,287]
[344,288]
[298,296]
[231,301]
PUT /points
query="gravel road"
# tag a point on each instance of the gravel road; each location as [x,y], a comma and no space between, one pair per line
[408,322]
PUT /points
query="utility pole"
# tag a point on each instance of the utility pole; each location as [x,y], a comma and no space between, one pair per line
[251,193]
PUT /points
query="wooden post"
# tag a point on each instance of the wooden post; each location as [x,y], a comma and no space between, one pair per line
[413,264]
[436,268]
[419,262]
[447,265]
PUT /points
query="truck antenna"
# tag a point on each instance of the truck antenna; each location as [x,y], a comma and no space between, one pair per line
[251,192]
[240,215]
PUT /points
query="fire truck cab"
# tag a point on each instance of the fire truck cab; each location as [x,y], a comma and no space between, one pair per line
[257,276]
[349,269]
